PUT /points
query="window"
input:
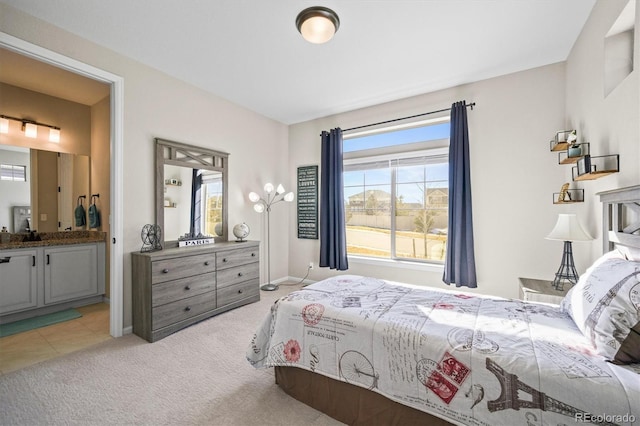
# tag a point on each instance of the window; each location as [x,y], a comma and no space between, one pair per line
[14,173]
[397,193]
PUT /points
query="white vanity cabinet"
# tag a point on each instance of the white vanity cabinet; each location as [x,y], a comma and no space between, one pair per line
[18,280]
[40,280]
[70,272]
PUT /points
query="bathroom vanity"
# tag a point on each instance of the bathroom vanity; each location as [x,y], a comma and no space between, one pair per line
[63,270]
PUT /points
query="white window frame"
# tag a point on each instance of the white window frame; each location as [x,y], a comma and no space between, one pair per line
[13,176]
[440,147]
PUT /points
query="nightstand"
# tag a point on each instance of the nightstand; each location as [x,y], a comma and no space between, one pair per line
[533,290]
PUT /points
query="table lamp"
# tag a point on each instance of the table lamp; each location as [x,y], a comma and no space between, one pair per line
[567,229]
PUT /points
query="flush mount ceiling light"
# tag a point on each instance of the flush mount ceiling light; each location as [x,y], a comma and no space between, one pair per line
[317,24]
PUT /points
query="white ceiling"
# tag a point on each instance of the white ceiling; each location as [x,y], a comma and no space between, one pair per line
[249,51]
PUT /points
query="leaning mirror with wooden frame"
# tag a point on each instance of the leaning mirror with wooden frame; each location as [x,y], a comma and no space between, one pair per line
[191,192]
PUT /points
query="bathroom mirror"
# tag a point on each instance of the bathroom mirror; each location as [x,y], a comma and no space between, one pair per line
[45,185]
[191,191]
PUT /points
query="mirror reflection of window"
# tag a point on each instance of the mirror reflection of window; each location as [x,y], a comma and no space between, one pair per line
[206,203]
[193,204]
[213,202]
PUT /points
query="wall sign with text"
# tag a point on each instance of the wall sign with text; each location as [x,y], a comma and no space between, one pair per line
[308,202]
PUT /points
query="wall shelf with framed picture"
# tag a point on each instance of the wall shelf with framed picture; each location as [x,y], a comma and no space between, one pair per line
[568,195]
[594,167]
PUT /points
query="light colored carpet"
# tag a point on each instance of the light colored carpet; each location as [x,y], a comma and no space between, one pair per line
[197,376]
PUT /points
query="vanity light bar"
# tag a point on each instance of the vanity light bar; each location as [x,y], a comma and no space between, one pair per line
[30,128]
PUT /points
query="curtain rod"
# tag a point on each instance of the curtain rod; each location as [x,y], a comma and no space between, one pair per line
[472,104]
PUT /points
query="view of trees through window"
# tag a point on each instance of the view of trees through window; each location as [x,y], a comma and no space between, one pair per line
[397,205]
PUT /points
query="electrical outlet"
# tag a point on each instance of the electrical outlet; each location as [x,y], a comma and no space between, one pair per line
[310,265]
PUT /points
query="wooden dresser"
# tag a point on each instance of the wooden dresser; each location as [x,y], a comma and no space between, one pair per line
[177,287]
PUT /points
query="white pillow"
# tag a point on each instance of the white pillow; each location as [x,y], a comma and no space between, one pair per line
[605,305]
[630,253]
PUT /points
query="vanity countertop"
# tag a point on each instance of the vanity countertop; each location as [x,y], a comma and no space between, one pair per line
[55,239]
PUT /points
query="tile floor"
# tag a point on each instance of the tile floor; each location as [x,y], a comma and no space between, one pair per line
[33,346]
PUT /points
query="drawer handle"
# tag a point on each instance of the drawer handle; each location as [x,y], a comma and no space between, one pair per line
[239,274]
[188,287]
[206,263]
[240,291]
[253,255]
[224,259]
[165,271]
[188,308]
[5,259]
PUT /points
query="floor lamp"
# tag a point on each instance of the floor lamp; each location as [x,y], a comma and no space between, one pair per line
[264,204]
[567,229]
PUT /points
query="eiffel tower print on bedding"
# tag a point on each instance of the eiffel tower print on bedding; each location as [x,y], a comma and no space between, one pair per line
[465,358]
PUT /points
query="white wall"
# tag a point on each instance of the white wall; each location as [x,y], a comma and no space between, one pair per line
[72,117]
[157,105]
[513,172]
[13,193]
[513,176]
[610,123]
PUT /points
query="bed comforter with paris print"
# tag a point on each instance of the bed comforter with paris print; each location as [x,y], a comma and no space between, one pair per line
[469,359]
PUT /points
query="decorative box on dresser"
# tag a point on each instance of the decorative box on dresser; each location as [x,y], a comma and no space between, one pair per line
[177,287]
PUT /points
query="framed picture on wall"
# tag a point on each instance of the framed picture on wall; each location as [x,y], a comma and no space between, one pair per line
[584,165]
[308,202]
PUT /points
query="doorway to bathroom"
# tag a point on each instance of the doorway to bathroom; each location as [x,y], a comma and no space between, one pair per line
[114,150]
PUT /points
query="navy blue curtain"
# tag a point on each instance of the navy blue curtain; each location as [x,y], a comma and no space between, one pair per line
[333,235]
[460,264]
[196,208]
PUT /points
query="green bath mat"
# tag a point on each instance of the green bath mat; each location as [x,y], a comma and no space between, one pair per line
[37,322]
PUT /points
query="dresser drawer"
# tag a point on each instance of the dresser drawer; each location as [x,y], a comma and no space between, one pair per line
[231,276]
[183,309]
[179,267]
[237,257]
[170,291]
[233,293]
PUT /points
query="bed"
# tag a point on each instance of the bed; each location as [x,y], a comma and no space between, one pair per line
[369,351]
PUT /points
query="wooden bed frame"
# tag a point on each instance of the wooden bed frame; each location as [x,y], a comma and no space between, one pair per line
[354,405]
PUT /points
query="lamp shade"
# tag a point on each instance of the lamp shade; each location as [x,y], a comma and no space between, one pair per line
[317,24]
[30,130]
[54,135]
[4,125]
[568,228]
[254,197]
